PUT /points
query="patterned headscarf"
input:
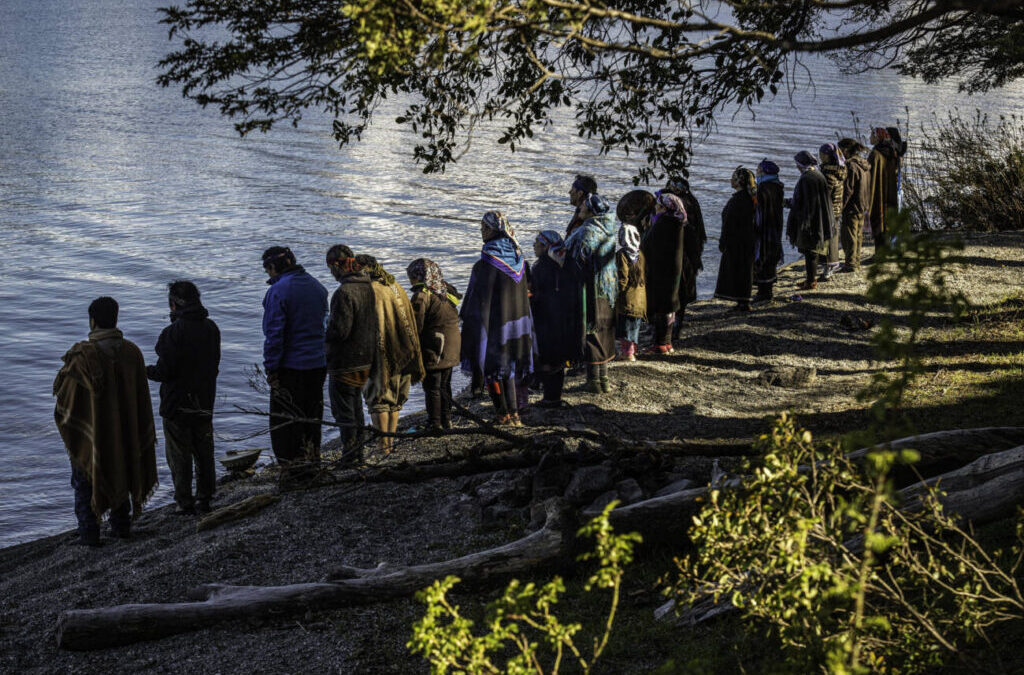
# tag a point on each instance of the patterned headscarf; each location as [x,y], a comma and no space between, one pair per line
[677,184]
[832,152]
[769,167]
[596,204]
[672,204]
[629,241]
[555,245]
[747,181]
[805,159]
[427,272]
[497,221]
[881,133]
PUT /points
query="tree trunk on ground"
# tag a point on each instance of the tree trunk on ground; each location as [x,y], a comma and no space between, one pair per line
[236,511]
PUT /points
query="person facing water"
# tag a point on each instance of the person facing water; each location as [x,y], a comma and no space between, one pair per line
[833,168]
[294,310]
[350,343]
[885,163]
[434,303]
[105,418]
[188,360]
[398,363]
[664,254]
[768,254]
[497,327]
[856,202]
[591,249]
[631,304]
[811,221]
[582,186]
[694,238]
[738,241]
[554,302]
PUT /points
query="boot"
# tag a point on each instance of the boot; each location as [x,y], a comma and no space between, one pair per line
[380,423]
[392,427]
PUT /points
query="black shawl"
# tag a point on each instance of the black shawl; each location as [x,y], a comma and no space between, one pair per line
[768,254]
[736,271]
[663,254]
[811,222]
[556,312]
[497,327]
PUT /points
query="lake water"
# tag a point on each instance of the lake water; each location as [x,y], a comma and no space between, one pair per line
[110,185]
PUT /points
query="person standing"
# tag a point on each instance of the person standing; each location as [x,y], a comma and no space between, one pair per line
[554,303]
[884,161]
[663,257]
[350,343]
[631,303]
[856,201]
[188,360]
[294,310]
[811,221]
[434,303]
[591,248]
[768,253]
[833,168]
[738,240]
[694,238]
[582,186]
[497,326]
[105,418]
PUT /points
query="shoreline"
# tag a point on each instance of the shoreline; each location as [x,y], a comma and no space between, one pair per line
[711,393]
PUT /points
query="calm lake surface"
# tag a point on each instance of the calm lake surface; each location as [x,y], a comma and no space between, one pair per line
[110,185]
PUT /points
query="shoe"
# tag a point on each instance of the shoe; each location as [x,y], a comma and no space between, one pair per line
[761,299]
[180,510]
[503,421]
[90,539]
[202,508]
[807,285]
[515,420]
[593,386]
[846,268]
[658,350]
[825,276]
[605,386]
[741,307]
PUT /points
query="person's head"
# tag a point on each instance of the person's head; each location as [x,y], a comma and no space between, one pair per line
[743,179]
[593,205]
[878,134]
[667,202]
[677,185]
[635,207]
[494,225]
[829,154]
[767,167]
[547,240]
[850,147]
[277,259]
[420,268]
[805,160]
[103,313]
[374,269]
[582,185]
[341,261]
[181,293]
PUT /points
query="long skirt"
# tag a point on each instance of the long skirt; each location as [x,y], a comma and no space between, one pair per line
[735,276]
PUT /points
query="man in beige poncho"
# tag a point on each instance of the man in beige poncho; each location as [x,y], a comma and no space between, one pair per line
[105,417]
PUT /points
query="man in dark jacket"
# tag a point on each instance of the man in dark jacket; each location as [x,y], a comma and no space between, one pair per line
[188,358]
[582,186]
[351,343]
[294,310]
[856,202]
[811,220]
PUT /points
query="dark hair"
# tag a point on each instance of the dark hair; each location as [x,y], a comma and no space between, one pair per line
[850,147]
[339,251]
[278,257]
[635,207]
[585,183]
[104,312]
[897,140]
[182,292]
[365,259]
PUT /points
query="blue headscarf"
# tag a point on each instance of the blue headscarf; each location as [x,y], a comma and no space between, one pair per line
[503,252]
[830,151]
[555,245]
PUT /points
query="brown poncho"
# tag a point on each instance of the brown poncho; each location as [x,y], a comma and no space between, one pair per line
[105,416]
[399,347]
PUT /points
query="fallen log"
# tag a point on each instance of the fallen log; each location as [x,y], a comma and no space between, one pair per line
[236,511]
[86,629]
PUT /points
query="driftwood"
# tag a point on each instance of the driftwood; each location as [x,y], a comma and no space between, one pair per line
[84,629]
[236,511]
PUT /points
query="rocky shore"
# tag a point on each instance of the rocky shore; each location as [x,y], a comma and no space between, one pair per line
[730,374]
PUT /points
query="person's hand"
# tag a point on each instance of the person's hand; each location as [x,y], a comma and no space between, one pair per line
[273,380]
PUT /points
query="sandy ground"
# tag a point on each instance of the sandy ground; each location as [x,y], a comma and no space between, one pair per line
[710,392]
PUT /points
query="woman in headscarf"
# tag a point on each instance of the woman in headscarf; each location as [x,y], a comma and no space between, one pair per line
[497,327]
[591,248]
[811,222]
[736,270]
[768,227]
[433,303]
[554,300]
[694,238]
[398,364]
[631,304]
[833,168]
[663,255]
[884,160]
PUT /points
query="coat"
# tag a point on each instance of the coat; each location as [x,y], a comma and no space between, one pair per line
[835,176]
[438,323]
[497,326]
[352,337]
[736,270]
[857,187]
[294,309]
[591,248]
[557,318]
[768,254]
[694,238]
[398,341]
[811,222]
[663,254]
[105,418]
[188,360]
[885,167]
[632,299]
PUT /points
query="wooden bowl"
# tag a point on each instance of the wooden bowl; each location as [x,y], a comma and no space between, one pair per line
[240,460]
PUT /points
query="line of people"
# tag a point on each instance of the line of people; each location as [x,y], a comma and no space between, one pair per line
[583,302]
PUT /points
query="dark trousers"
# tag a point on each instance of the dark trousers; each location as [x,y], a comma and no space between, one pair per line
[597,371]
[347,408]
[812,267]
[553,381]
[853,237]
[437,390]
[88,523]
[663,328]
[503,396]
[765,290]
[299,393]
[186,443]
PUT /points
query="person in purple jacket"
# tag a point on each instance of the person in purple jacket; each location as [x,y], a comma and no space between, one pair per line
[294,312]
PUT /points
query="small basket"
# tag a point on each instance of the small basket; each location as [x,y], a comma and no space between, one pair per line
[240,460]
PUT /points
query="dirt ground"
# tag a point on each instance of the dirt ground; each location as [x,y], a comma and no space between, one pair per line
[714,392]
